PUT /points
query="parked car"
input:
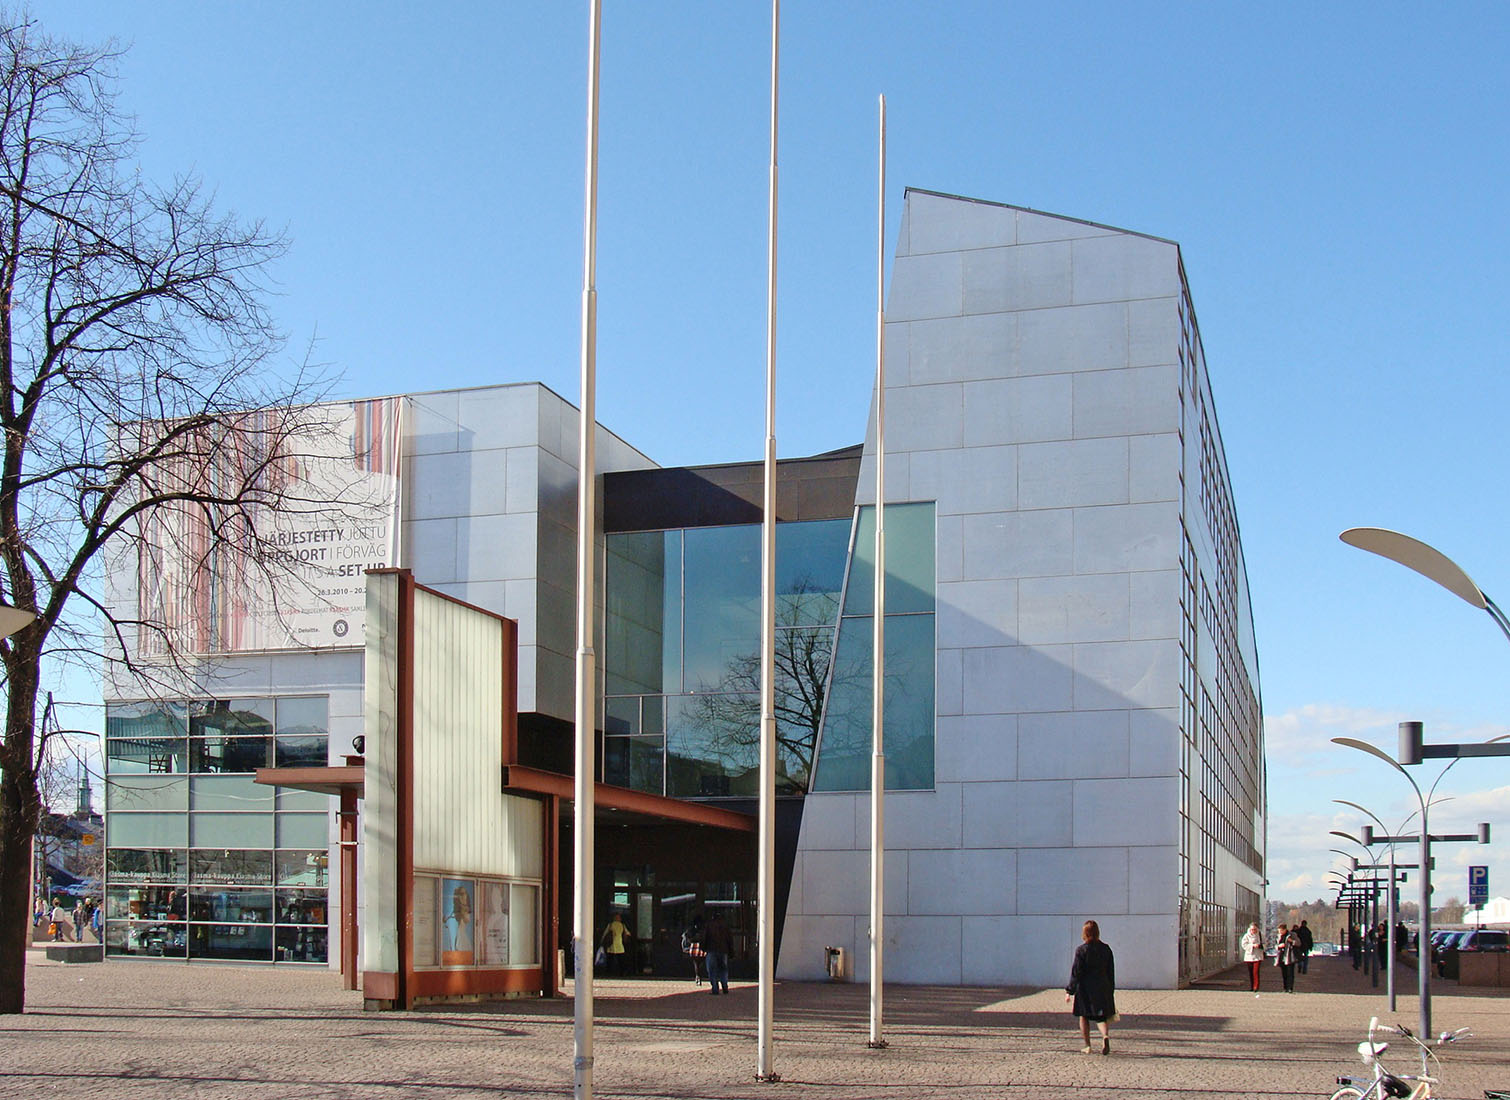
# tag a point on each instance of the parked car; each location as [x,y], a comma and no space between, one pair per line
[1484,939]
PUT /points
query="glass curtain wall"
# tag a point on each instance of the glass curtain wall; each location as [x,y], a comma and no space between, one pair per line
[201,862]
[682,663]
[682,656]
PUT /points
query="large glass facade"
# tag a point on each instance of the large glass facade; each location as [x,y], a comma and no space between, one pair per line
[683,655]
[201,862]
[682,659]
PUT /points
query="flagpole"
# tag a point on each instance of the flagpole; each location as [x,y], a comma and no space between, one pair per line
[878,634]
[766,886]
[583,838]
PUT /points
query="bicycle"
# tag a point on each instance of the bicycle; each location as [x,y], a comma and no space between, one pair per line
[1392,1086]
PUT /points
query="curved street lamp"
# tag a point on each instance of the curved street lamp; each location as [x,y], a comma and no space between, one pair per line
[1423,976]
[1425,802]
[1428,561]
[1392,889]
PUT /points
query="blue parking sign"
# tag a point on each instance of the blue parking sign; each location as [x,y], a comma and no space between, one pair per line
[1478,886]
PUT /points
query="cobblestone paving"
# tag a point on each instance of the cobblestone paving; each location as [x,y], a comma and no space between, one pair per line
[166,1031]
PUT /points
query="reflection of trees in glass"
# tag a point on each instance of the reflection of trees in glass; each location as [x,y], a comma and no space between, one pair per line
[847,728]
[728,719]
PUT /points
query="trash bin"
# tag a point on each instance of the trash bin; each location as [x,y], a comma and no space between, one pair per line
[836,963]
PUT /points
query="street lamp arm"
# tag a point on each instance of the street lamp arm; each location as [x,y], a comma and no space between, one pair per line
[1497,615]
[1428,561]
[1433,788]
[1361,809]
[1420,558]
[1348,836]
[1364,746]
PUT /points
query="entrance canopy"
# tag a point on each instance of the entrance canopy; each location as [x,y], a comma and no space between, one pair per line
[617,804]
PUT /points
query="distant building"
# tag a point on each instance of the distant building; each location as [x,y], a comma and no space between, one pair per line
[69,850]
[1494,911]
[1073,722]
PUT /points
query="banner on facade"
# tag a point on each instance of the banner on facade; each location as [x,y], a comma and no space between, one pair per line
[284,566]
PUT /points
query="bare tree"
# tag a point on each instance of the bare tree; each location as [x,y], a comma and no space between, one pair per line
[1451,912]
[136,382]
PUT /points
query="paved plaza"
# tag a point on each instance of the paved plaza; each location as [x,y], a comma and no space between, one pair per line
[168,1031]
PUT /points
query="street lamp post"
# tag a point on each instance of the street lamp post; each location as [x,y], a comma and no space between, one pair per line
[1370,965]
[1423,977]
[1425,838]
[1393,893]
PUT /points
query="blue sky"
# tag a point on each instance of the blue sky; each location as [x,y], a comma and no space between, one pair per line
[1333,173]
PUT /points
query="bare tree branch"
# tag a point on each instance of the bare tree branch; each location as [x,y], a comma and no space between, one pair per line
[136,382]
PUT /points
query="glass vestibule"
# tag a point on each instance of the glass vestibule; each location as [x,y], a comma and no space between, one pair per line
[202,862]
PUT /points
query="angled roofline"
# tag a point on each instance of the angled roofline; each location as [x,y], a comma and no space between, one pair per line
[1042,214]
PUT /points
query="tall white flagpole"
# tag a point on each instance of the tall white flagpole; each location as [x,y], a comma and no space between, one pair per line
[587,669]
[878,635]
[765,919]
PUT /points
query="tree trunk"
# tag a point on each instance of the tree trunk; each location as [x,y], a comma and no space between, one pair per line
[18,824]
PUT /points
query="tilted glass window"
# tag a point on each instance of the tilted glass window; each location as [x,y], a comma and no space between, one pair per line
[844,746]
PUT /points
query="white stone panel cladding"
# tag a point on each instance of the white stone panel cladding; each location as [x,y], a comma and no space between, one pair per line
[1033,394]
[492,517]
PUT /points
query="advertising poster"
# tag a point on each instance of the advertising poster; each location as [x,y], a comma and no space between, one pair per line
[326,481]
[459,922]
[425,905]
[495,924]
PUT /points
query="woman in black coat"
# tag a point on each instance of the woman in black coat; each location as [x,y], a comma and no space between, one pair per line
[1092,988]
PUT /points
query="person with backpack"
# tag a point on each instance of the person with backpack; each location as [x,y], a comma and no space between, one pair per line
[1307,941]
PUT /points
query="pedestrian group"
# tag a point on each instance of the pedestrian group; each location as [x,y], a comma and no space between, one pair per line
[1292,952]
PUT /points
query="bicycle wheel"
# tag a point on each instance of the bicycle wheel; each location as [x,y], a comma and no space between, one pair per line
[1347,1092]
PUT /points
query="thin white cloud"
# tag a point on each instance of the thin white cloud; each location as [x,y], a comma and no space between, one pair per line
[1309,729]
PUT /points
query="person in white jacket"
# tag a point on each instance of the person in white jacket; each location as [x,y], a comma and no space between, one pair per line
[1253,955]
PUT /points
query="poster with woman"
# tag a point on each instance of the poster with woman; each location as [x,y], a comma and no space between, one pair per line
[495,924]
[459,923]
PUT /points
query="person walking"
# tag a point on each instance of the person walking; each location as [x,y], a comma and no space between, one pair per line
[719,945]
[1307,941]
[1093,986]
[1286,954]
[616,941]
[1354,947]
[1253,955]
